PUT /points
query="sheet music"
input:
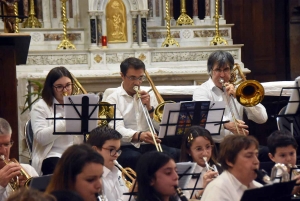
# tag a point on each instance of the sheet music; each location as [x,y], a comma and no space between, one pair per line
[70,112]
[173,119]
[293,107]
[185,168]
[215,116]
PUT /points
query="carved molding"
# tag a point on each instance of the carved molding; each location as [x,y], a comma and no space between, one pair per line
[64,59]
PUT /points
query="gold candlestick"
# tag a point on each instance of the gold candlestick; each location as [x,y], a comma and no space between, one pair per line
[32,21]
[217,39]
[184,19]
[169,40]
[65,43]
[17,20]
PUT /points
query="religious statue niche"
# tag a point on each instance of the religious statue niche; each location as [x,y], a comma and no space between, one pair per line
[116,21]
[7,10]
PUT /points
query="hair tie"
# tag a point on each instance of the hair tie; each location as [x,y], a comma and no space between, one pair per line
[190,138]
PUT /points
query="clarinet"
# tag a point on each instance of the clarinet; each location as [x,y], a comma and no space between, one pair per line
[180,194]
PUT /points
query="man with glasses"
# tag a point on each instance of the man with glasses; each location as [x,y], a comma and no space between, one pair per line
[219,66]
[107,142]
[7,172]
[137,138]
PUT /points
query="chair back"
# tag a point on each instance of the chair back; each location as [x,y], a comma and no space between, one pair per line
[28,136]
[284,122]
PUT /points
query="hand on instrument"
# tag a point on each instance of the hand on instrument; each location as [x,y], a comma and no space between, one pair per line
[296,189]
[145,98]
[208,177]
[147,137]
[230,89]
[242,127]
[8,172]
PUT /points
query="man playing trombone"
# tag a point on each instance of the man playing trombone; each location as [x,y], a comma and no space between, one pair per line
[11,170]
[134,128]
[217,88]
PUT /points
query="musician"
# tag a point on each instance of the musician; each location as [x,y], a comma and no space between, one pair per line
[30,194]
[283,149]
[197,143]
[7,172]
[239,158]
[107,142]
[137,138]
[48,148]
[220,65]
[156,177]
[79,169]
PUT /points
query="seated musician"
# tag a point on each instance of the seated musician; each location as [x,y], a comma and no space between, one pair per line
[198,144]
[107,142]
[7,172]
[48,148]
[239,159]
[156,177]
[79,169]
[137,138]
[283,149]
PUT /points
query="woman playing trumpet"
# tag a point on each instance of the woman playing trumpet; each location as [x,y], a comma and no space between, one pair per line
[198,146]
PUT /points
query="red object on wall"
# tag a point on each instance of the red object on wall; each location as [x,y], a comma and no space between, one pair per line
[104,41]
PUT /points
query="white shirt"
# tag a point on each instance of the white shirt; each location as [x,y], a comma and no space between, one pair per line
[209,92]
[114,186]
[129,108]
[6,191]
[45,144]
[226,188]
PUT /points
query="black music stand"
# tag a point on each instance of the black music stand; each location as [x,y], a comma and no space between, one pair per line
[40,183]
[84,116]
[186,114]
[274,192]
[288,117]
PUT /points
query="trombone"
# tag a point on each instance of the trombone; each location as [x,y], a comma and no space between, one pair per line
[148,119]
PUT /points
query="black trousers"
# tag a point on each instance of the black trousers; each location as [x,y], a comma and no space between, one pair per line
[130,154]
[48,165]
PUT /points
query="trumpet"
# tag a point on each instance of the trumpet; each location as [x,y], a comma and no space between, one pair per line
[126,173]
[148,119]
[208,167]
[14,182]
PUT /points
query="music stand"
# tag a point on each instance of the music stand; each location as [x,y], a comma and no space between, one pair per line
[40,183]
[177,117]
[84,116]
[275,192]
[292,110]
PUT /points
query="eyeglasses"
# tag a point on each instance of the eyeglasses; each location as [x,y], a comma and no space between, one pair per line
[60,88]
[201,149]
[113,152]
[132,78]
[225,70]
[7,145]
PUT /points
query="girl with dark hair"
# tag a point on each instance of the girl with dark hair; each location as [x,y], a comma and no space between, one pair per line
[198,146]
[156,177]
[48,148]
[80,169]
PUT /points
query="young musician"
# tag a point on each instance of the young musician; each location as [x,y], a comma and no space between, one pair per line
[137,138]
[79,169]
[197,145]
[239,158]
[157,177]
[107,142]
[30,194]
[48,148]
[7,172]
[219,66]
[283,149]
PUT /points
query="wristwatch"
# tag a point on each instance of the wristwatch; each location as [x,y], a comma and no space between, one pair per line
[151,110]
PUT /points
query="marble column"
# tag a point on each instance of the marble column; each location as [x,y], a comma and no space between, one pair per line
[144,28]
[171,9]
[134,15]
[93,29]
[151,21]
[207,10]
[46,14]
[195,12]
[99,29]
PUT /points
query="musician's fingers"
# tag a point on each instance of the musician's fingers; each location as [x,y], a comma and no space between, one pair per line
[240,121]
[244,126]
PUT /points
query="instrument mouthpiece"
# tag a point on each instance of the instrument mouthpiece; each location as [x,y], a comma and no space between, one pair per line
[136,88]
[2,157]
[221,80]
[262,175]
[117,164]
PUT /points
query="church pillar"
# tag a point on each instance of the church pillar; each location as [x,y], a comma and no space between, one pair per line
[46,14]
[99,29]
[171,9]
[144,28]
[151,21]
[134,29]
[207,10]
[93,29]
[195,12]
